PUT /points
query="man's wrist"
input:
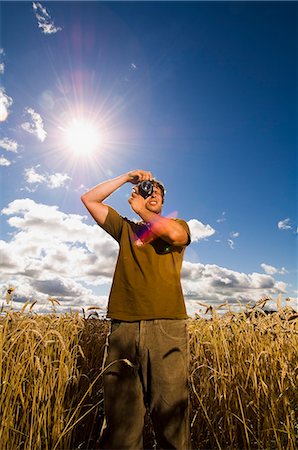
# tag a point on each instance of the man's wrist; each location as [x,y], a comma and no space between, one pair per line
[147,216]
[129,177]
[121,179]
[141,213]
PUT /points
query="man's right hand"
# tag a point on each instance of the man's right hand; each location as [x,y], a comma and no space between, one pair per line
[136,176]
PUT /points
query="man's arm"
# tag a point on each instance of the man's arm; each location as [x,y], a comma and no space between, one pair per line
[167,229]
[93,199]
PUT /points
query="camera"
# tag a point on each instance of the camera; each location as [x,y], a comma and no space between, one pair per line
[145,188]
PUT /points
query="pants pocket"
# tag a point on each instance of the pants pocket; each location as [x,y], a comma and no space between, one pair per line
[173,329]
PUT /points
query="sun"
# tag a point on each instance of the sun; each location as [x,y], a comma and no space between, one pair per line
[82,137]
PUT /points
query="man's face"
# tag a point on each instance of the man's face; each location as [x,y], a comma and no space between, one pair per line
[154,201]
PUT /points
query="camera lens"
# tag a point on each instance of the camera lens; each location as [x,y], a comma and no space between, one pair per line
[145,188]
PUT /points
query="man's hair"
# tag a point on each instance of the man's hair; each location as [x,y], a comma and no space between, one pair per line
[161,186]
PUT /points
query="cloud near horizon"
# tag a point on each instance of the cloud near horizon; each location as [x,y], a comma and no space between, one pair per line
[271,270]
[212,284]
[52,253]
[56,254]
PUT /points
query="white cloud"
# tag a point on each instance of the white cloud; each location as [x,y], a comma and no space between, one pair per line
[215,285]
[81,188]
[35,126]
[51,253]
[44,20]
[282,287]
[29,189]
[199,230]
[4,161]
[69,293]
[284,224]
[5,104]
[271,270]
[49,243]
[57,180]
[2,65]
[31,176]
[231,244]
[222,218]
[9,145]
[53,181]
[57,254]
[235,234]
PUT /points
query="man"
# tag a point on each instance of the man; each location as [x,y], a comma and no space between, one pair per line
[148,320]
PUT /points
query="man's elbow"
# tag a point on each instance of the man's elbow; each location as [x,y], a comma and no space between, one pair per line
[179,238]
[89,202]
[84,199]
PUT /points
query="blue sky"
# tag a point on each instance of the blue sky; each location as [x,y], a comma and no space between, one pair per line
[202,94]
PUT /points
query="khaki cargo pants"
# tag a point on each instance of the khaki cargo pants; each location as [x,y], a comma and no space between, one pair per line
[158,351]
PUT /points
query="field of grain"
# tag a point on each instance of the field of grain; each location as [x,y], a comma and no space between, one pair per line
[243,381]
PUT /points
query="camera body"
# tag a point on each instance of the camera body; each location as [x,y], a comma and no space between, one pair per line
[145,188]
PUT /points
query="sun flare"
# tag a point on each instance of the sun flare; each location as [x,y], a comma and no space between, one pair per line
[82,137]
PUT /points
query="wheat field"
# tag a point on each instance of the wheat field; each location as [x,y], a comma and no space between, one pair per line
[243,380]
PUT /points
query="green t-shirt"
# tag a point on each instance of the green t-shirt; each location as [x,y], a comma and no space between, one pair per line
[146,282]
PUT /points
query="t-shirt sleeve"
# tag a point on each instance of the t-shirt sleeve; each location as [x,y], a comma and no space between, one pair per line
[113,224]
[186,228]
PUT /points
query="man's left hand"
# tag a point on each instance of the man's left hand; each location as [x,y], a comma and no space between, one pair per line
[136,201]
